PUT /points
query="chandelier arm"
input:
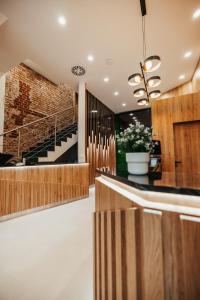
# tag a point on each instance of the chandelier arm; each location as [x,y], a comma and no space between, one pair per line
[145,83]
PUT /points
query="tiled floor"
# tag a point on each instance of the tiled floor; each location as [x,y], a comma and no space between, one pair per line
[48,255]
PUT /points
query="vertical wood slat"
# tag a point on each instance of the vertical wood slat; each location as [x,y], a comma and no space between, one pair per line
[190,229]
[109,255]
[98,257]
[152,256]
[132,222]
[119,239]
[172,256]
[103,256]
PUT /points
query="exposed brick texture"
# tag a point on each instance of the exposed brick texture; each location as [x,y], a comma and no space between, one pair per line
[29,97]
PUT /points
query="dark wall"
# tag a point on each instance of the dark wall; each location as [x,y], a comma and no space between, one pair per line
[122,120]
[100,119]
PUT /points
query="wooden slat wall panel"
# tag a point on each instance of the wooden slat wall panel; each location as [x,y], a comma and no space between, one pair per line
[101,154]
[115,260]
[191,258]
[100,136]
[130,254]
[31,187]
[167,112]
[144,254]
[173,256]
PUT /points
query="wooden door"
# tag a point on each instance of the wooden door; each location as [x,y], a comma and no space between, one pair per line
[187,152]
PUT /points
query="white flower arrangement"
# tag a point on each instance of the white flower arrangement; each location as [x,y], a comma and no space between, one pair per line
[135,138]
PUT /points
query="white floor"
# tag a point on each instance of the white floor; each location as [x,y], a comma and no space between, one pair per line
[48,255]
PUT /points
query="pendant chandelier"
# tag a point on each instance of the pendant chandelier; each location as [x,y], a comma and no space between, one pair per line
[150,64]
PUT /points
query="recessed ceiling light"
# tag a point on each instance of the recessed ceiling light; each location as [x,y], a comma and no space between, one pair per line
[181,77]
[188,54]
[196,14]
[61,20]
[123,104]
[106,79]
[131,114]
[90,57]
[116,93]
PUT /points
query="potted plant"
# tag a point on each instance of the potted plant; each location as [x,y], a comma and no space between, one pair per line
[135,141]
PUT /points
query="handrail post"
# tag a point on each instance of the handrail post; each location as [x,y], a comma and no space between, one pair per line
[55,132]
[74,114]
[19,141]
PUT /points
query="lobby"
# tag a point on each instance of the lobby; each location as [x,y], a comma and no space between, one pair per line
[99,150]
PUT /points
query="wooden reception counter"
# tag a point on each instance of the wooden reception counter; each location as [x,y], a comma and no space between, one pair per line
[147,242]
[24,188]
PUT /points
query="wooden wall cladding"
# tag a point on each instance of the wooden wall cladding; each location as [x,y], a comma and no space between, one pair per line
[145,254]
[100,151]
[167,112]
[24,188]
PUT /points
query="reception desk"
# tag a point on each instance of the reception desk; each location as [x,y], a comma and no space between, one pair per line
[31,187]
[147,237]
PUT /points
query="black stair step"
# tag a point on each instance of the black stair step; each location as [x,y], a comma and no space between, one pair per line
[41,154]
[32,161]
[64,139]
[49,144]
[51,148]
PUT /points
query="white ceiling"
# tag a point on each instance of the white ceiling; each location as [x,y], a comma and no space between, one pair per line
[106,29]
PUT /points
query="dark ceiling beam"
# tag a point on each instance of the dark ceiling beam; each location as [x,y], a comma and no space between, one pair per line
[143,7]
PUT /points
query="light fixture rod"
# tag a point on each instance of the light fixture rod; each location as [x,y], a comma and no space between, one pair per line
[143,7]
[145,83]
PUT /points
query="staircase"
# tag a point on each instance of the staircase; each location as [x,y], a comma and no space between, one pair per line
[53,147]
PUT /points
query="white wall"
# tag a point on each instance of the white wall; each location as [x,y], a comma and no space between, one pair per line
[81,122]
[48,255]
[2,98]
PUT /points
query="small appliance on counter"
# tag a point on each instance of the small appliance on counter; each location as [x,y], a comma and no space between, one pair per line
[4,159]
[155,165]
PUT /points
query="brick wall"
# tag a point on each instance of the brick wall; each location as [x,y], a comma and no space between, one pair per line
[29,97]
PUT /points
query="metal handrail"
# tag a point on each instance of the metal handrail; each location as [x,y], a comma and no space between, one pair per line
[43,148]
[57,124]
[36,121]
[57,139]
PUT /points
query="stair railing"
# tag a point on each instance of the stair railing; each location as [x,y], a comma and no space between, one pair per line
[60,120]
